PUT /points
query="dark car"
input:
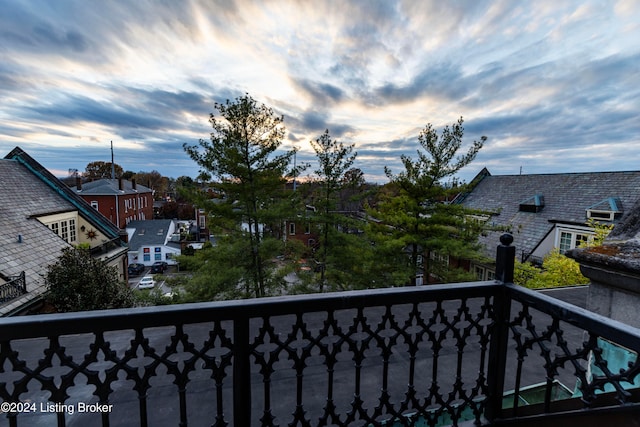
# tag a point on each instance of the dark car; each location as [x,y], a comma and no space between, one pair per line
[159,267]
[135,269]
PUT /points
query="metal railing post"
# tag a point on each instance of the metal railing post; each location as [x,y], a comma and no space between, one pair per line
[241,373]
[505,258]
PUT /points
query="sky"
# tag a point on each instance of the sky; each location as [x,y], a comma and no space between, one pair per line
[553,85]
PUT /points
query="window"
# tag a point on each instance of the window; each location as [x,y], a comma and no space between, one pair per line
[55,227]
[479,273]
[437,256]
[158,254]
[606,210]
[94,204]
[292,228]
[72,230]
[483,273]
[147,254]
[307,228]
[532,204]
[570,240]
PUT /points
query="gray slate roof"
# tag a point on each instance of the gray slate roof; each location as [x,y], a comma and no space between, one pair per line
[28,190]
[24,196]
[148,233]
[567,196]
[108,187]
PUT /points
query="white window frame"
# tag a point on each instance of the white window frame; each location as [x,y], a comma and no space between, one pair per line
[571,236]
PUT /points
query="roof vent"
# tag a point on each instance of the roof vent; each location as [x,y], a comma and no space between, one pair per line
[607,210]
[532,204]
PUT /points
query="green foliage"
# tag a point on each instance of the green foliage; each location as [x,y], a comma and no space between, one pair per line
[153,297]
[244,154]
[557,271]
[601,232]
[78,282]
[412,209]
[224,271]
[334,160]
[100,170]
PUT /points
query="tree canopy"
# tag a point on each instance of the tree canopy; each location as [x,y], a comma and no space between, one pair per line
[243,154]
[79,282]
[101,170]
[415,210]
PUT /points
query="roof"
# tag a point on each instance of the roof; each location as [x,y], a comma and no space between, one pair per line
[108,187]
[547,199]
[40,246]
[28,191]
[148,233]
[69,194]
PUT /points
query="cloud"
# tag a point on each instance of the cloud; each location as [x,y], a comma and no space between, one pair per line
[545,82]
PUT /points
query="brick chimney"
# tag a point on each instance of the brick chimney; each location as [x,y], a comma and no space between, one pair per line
[120,185]
[79,183]
[133,183]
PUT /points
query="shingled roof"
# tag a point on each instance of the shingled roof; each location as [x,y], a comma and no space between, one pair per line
[28,191]
[547,199]
[108,187]
[24,197]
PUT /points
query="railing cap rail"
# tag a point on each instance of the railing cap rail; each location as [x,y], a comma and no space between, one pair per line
[144,317]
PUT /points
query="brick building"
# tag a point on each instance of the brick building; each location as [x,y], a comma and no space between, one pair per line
[119,200]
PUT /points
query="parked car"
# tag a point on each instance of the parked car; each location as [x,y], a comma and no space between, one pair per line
[159,267]
[146,282]
[136,269]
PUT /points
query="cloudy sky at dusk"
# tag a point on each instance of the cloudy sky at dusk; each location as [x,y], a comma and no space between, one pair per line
[554,85]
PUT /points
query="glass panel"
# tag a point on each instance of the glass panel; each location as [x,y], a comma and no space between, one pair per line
[565,242]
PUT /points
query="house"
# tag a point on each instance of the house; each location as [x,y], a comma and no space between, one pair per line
[546,211]
[300,228]
[153,240]
[120,200]
[39,216]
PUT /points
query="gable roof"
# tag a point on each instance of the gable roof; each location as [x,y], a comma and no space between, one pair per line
[148,233]
[109,187]
[38,246]
[96,218]
[29,191]
[549,199]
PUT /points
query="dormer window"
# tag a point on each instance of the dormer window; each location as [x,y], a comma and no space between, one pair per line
[606,210]
[532,204]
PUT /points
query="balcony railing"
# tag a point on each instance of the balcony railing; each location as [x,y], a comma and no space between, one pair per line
[485,353]
[15,287]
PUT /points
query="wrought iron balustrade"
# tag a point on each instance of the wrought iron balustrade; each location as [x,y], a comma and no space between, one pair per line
[420,356]
[13,288]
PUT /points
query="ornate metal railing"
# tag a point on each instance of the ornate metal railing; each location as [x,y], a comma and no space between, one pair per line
[424,356]
[15,287]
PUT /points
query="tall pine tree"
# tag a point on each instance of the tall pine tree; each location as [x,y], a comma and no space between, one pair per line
[415,212]
[243,154]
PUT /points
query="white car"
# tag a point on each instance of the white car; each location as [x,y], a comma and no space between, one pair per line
[146,282]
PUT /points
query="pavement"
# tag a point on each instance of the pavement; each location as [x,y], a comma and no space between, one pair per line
[201,398]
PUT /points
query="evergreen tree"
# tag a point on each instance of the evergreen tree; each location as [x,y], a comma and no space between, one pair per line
[78,282]
[334,160]
[415,213]
[243,155]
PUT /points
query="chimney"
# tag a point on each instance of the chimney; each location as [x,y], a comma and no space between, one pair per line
[79,183]
[133,183]
[120,186]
